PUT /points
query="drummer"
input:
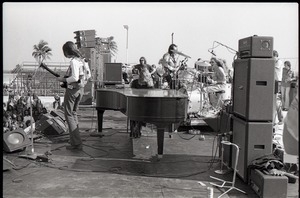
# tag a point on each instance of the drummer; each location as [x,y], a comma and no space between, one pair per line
[217,83]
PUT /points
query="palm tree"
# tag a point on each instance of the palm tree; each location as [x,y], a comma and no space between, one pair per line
[41,51]
[112,46]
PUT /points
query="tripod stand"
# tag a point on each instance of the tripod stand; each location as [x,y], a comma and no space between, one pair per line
[234,173]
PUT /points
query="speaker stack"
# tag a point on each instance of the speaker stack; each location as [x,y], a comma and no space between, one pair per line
[253,97]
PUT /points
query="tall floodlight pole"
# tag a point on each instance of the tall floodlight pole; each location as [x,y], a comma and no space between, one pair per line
[126,27]
[172,37]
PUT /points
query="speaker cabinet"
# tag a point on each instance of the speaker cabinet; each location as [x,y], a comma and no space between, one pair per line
[52,126]
[256,47]
[58,113]
[40,124]
[15,140]
[253,88]
[254,140]
[112,73]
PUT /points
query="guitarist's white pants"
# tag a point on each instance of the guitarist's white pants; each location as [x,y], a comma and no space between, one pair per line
[71,101]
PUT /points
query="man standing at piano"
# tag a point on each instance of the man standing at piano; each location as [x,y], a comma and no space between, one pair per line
[144,81]
[144,71]
[169,63]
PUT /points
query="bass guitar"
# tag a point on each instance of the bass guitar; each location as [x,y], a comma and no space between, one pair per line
[62,84]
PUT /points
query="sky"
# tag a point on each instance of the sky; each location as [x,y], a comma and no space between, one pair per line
[195,28]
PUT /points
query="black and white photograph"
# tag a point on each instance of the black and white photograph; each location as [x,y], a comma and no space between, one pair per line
[150,99]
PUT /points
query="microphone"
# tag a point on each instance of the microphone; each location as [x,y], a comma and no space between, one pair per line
[212,52]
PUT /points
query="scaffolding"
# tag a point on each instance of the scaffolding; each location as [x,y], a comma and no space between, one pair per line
[43,83]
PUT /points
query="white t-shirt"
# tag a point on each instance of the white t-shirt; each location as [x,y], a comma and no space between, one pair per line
[278,69]
[74,70]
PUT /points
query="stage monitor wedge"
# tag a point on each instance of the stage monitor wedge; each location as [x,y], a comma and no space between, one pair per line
[54,126]
[15,140]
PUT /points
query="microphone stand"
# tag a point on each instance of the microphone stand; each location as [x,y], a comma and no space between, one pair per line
[226,46]
[31,155]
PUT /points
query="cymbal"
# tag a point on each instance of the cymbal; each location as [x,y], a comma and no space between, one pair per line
[180,53]
[202,64]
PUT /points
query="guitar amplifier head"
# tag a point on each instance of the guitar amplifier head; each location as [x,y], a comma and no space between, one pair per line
[256,47]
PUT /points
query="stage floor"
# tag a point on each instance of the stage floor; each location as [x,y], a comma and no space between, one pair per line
[117,166]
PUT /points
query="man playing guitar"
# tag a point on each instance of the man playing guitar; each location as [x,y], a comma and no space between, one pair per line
[169,62]
[170,66]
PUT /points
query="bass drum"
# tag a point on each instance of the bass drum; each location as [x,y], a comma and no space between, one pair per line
[196,101]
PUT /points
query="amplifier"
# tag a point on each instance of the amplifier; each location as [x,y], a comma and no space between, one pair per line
[268,185]
[256,47]
[112,73]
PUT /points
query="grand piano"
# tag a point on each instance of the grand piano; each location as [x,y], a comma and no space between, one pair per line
[155,106]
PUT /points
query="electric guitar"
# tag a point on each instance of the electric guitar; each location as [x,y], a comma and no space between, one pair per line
[176,70]
[62,84]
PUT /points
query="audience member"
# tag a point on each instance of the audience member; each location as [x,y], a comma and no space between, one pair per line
[56,103]
[287,77]
[278,78]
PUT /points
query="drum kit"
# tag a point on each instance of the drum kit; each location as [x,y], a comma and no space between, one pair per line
[191,82]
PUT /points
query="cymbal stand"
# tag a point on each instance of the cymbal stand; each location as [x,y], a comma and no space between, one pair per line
[234,173]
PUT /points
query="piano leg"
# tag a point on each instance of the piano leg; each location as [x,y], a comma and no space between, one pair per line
[160,140]
[100,113]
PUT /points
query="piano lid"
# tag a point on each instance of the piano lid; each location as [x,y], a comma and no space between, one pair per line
[153,93]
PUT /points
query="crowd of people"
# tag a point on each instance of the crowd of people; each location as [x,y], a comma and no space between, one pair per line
[17,110]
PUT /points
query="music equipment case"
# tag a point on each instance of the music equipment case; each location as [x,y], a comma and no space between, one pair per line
[268,185]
